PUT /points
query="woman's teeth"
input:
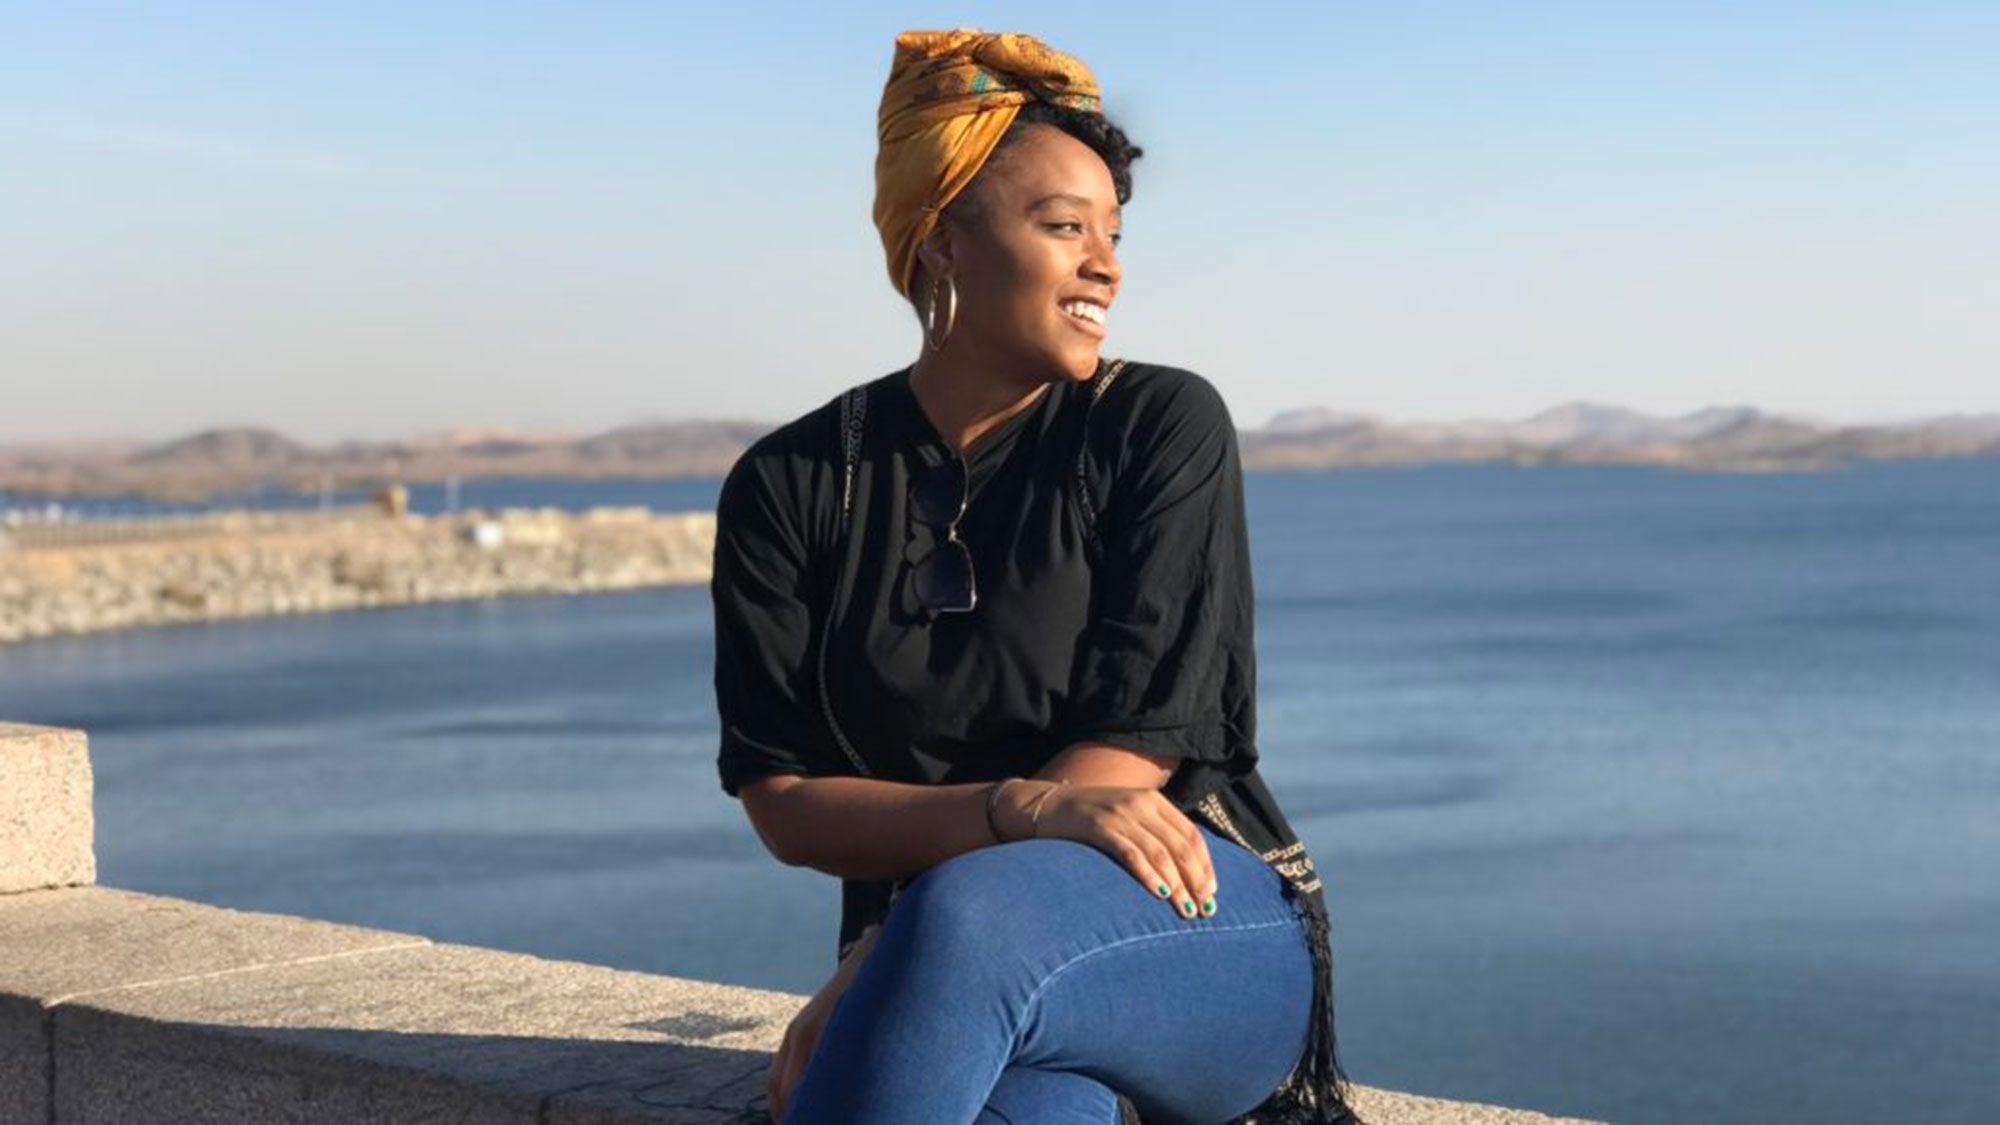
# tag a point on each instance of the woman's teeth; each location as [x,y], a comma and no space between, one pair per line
[1086,310]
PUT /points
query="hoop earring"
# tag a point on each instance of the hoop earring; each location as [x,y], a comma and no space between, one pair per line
[931,340]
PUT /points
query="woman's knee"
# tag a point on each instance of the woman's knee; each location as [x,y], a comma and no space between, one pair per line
[971,895]
[966,894]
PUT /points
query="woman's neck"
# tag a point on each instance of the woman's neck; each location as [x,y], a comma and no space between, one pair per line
[965,401]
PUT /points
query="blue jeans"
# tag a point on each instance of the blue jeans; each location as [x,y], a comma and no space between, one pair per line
[1024,983]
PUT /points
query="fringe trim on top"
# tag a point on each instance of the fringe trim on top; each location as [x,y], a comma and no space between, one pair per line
[1316,1092]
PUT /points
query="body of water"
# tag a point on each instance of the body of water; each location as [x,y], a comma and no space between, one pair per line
[1644,796]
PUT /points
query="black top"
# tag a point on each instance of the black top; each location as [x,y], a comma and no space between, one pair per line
[1162,662]
[1150,649]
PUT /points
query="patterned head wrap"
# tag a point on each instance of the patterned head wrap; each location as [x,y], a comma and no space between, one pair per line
[949,98]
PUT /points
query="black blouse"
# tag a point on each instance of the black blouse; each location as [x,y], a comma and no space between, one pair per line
[1154,655]
[1148,645]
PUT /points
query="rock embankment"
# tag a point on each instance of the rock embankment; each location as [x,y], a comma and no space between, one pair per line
[246,564]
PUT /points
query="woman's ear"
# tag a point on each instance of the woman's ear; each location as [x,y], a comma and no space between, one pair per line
[934,257]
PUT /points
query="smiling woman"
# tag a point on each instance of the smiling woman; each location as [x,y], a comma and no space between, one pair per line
[1051,191]
[984,651]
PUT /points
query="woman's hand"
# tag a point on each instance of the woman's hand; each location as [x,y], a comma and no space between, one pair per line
[1138,827]
[802,1035]
[796,1051]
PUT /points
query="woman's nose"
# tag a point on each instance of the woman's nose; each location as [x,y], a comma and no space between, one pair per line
[1103,262]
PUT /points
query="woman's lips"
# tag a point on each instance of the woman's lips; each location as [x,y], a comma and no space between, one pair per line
[1091,327]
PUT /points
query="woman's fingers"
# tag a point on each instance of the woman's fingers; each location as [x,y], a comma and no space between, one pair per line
[1146,860]
[1192,871]
[793,1067]
[1146,834]
[774,1084]
[1163,849]
[793,1053]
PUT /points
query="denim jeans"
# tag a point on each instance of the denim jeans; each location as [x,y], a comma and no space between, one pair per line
[1025,982]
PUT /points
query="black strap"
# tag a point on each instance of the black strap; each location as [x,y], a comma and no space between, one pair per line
[1084,503]
[853,414]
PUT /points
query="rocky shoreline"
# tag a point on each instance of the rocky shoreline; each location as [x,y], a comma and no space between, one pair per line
[248,564]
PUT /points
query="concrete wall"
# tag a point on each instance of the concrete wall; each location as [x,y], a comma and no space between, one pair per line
[122,1008]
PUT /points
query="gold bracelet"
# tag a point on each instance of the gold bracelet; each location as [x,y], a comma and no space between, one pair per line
[993,798]
[1035,820]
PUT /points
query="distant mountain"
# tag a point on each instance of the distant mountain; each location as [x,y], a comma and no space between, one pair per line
[1964,425]
[691,442]
[467,438]
[1313,419]
[1722,438]
[1710,420]
[1739,438]
[232,458]
[46,453]
[242,449]
[1587,425]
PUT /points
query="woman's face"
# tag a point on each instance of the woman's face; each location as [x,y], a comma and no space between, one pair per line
[1035,231]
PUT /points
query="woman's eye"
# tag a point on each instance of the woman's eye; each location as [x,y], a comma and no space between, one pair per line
[1116,237]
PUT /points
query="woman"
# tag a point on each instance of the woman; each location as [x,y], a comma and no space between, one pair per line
[984,651]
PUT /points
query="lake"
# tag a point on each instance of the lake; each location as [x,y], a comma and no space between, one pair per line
[1639,795]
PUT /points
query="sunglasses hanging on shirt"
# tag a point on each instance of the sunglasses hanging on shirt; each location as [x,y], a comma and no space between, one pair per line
[943,577]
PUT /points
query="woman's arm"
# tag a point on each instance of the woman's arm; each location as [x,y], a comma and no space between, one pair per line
[1100,763]
[867,828]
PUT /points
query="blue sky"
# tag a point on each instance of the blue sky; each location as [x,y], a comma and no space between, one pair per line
[366,220]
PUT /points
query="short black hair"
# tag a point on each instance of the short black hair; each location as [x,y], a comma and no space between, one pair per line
[1103,136]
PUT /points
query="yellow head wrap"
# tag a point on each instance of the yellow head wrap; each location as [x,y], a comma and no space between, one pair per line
[949,98]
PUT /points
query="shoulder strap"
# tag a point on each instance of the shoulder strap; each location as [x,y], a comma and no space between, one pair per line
[853,419]
[853,413]
[1081,478]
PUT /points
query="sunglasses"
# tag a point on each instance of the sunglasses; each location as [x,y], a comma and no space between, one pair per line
[943,577]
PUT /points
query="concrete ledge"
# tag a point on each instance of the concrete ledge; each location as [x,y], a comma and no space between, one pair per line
[183,1011]
[46,826]
[117,1006]
[441,1032]
[59,947]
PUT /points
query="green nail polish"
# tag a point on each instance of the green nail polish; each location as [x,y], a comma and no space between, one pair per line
[1208,905]
[1163,890]
[1187,907]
